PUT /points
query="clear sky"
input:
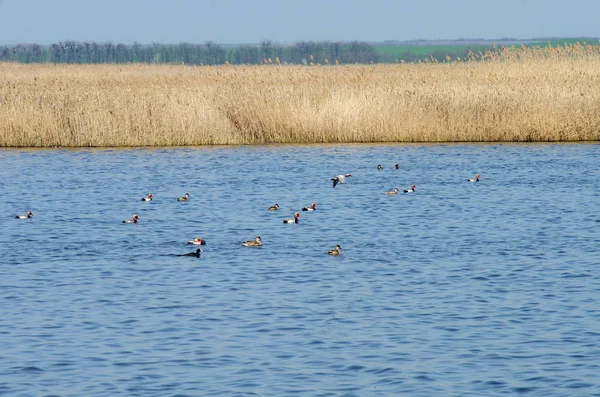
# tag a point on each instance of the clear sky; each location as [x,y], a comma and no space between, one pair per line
[251,21]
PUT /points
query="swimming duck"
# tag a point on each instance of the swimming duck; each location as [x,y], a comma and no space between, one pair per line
[292,220]
[395,191]
[197,241]
[274,207]
[311,207]
[379,167]
[253,243]
[476,179]
[185,197]
[196,253]
[395,166]
[412,189]
[336,251]
[340,179]
[29,214]
[148,197]
[134,219]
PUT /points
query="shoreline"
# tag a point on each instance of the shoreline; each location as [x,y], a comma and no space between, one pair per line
[297,145]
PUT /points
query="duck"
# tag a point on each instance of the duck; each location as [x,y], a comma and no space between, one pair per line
[379,167]
[395,191]
[336,251]
[340,179]
[412,189]
[29,214]
[148,197]
[195,253]
[197,241]
[274,207]
[292,220]
[185,197]
[476,179]
[257,242]
[311,207]
[396,166]
[134,219]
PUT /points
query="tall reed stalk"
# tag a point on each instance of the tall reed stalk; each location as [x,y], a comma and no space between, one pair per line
[519,95]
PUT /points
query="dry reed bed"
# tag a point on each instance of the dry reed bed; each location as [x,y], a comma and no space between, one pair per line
[521,97]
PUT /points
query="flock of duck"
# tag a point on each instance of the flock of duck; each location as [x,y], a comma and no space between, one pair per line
[257,242]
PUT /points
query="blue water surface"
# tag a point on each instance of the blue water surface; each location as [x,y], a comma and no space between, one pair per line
[458,289]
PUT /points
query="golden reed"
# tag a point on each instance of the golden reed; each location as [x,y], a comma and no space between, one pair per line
[514,95]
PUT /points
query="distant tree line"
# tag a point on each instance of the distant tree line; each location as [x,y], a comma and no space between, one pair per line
[194,54]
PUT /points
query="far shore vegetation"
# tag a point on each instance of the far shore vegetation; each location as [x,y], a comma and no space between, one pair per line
[300,53]
[506,94]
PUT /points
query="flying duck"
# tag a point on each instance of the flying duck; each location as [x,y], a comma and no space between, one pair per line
[185,197]
[311,207]
[292,220]
[134,219]
[335,251]
[412,189]
[29,214]
[196,253]
[253,243]
[395,191]
[476,179]
[340,179]
[274,207]
[197,241]
[148,197]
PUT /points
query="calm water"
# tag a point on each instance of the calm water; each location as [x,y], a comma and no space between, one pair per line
[459,289]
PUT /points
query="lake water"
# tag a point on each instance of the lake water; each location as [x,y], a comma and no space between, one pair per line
[458,289]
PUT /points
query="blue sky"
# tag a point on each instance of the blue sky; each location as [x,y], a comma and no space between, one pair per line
[231,21]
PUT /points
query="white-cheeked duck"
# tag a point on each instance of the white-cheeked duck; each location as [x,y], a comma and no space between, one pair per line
[411,190]
[148,197]
[29,214]
[197,241]
[292,220]
[340,179]
[134,219]
[274,207]
[257,242]
[311,207]
[185,197]
[395,191]
[476,179]
[336,251]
